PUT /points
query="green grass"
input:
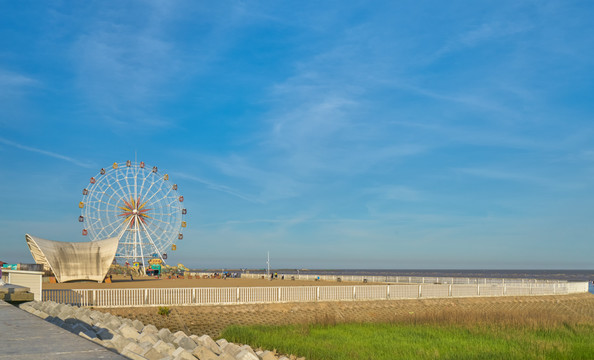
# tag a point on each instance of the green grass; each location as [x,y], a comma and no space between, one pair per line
[421,341]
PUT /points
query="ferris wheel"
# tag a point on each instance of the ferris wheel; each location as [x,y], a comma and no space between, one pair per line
[139,205]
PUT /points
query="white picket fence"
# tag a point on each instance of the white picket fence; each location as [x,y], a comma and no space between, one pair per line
[257,295]
[402,279]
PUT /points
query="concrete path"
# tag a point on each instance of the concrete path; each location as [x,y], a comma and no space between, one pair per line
[25,336]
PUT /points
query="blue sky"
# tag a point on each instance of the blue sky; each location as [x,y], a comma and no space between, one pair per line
[396,134]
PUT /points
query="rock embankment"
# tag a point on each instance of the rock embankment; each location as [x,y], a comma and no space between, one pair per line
[135,340]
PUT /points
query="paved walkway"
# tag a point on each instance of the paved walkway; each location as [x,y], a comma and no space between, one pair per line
[25,336]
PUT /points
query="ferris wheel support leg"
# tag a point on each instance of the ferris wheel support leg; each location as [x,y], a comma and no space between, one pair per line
[153,243]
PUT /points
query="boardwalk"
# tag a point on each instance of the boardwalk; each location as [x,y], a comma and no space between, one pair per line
[24,336]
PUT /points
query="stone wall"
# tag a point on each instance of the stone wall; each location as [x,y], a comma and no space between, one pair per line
[135,340]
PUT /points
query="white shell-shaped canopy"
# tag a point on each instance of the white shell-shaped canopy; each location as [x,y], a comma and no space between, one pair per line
[71,261]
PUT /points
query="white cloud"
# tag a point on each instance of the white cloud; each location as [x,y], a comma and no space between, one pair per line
[218,187]
[12,81]
[45,152]
[484,33]
[396,192]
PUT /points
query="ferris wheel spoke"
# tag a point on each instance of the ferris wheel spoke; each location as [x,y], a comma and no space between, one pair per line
[156,227]
[165,195]
[148,191]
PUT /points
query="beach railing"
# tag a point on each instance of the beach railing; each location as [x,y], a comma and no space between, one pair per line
[404,279]
[282,294]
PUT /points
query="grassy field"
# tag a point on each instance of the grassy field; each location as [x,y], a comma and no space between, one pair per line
[444,334]
[421,341]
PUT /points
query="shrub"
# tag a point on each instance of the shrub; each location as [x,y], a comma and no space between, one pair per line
[164,310]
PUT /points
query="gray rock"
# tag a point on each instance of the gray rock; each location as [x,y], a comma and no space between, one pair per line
[182,354]
[65,314]
[135,348]
[179,333]
[97,316]
[83,331]
[153,354]
[246,355]
[225,356]
[112,323]
[267,355]
[84,318]
[52,308]
[103,333]
[66,326]
[151,329]
[185,342]
[40,314]
[138,325]
[232,349]
[249,349]
[165,335]
[145,345]
[152,338]
[208,342]
[164,348]
[118,342]
[222,343]
[128,332]
[203,353]
[56,321]
[132,355]
[27,307]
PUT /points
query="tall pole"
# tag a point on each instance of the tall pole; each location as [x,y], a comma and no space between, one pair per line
[268,266]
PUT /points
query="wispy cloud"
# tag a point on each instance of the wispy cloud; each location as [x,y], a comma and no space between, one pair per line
[518,176]
[484,33]
[45,152]
[218,187]
[395,192]
[12,81]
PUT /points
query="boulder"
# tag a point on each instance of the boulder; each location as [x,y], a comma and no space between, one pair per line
[182,354]
[153,354]
[133,351]
[222,343]
[232,349]
[128,332]
[164,347]
[248,349]
[165,335]
[152,338]
[203,353]
[246,355]
[103,333]
[151,329]
[185,342]
[138,325]
[208,342]
[118,342]
[267,355]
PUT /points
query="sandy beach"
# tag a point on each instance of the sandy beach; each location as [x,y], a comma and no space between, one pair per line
[124,282]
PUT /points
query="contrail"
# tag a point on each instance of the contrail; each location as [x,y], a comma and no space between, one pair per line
[44,152]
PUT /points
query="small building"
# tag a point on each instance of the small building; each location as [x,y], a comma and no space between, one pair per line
[28,279]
